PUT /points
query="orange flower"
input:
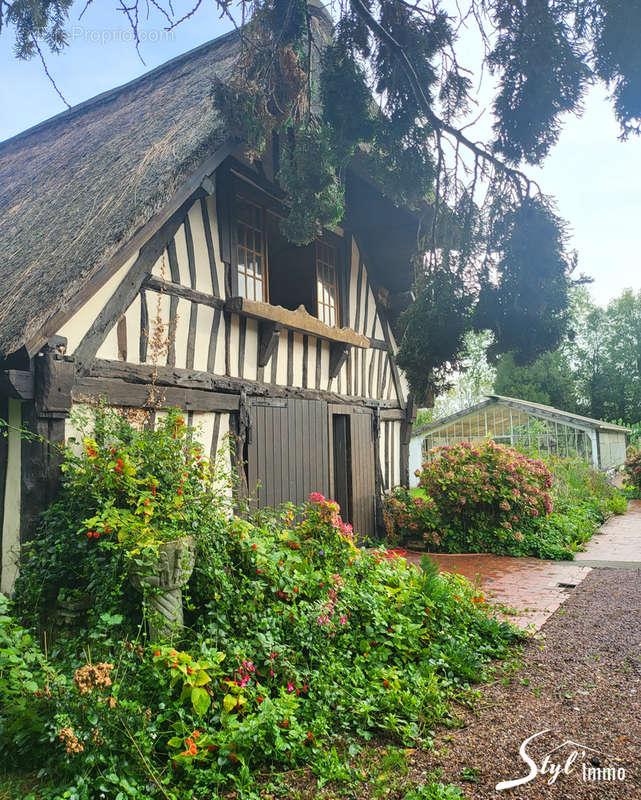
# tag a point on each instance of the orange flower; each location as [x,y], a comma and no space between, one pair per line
[193,749]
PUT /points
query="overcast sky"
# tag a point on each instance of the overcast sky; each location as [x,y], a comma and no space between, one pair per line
[592,175]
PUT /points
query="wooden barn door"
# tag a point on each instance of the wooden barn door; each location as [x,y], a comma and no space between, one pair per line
[353,467]
[288,450]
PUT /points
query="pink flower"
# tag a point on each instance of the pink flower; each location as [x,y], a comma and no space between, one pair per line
[271,672]
[316,497]
[343,620]
[290,687]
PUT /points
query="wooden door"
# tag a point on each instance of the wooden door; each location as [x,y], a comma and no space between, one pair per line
[360,491]
[288,450]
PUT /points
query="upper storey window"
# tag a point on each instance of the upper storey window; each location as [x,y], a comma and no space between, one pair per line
[251,251]
[326,284]
[271,269]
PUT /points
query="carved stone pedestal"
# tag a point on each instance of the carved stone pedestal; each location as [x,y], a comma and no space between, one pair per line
[167,576]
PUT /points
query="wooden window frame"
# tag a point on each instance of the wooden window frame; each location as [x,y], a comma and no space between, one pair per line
[318,262]
[242,197]
[244,190]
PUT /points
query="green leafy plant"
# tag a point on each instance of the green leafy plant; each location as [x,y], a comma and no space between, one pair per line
[25,678]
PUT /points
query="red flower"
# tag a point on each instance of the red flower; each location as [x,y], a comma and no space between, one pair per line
[193,749]
[180,491]
[153,490]
[157,654]
[146,501]
[254,547]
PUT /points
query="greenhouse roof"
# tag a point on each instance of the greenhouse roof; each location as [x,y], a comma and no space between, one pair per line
[534,409]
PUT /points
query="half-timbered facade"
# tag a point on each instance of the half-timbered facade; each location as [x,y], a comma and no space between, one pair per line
[170,285]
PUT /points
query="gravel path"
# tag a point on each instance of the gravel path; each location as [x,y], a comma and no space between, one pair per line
[581,679]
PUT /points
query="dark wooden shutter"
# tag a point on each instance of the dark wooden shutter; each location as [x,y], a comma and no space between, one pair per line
[289,450]
[363,482]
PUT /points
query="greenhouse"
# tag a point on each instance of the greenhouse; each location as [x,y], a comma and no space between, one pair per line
[530,426]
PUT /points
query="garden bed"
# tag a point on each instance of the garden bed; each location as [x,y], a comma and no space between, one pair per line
[298,646]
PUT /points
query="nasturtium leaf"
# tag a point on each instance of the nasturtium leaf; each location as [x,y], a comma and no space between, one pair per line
[200,700]
[201,678]
[229,702]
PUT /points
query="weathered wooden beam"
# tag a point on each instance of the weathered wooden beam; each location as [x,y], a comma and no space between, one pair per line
[406,435]
[338,355]
[176,290]
[125,294]
[392,415]
[137,395]
[40,473]
[269,333]
[17,383]
[54,378]
[299,320]
[147,374]
[392,360]
[378,344]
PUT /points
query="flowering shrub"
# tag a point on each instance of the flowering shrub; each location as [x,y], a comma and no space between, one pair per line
[493,498]
[295,639]
[407,516]
[124,492]
[490,488]
[147,486]
[633,468]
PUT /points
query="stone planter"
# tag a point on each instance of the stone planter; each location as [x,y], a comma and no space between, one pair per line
[167,575]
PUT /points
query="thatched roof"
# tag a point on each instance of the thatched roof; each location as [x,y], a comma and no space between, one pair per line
[77,186]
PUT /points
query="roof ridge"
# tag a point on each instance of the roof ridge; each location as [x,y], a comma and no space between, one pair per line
[69,113]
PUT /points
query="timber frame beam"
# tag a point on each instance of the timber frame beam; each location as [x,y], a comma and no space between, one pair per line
[120,383]
[124,295]
[17,383]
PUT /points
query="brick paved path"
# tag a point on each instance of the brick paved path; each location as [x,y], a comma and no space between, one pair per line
[535,588]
